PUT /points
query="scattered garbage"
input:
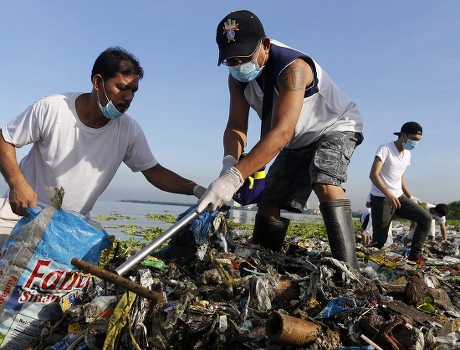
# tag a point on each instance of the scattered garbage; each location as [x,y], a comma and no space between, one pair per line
[220,291]
[285,329]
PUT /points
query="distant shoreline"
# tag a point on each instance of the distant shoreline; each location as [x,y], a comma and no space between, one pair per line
[252,207]
[177,203]
[155,202]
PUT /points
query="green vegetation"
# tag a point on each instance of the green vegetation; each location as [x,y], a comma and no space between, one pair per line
[147,233]
[142,235]
[313,228]
[162,217]
[155,202]
[114,216]
[453,223]
[454,211]
[240,227]
[307,230]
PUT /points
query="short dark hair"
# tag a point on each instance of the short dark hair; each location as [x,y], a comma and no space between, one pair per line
[116,60]
[441,209]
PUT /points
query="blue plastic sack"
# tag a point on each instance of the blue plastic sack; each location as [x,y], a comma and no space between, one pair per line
[203,226]
[36,270]
[196,236]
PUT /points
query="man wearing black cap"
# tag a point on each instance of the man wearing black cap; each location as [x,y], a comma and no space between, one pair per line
[306,118]
[438,213]
[389,193]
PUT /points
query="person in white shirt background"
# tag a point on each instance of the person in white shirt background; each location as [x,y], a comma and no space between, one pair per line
[438,213]
[366,227]
[390,195]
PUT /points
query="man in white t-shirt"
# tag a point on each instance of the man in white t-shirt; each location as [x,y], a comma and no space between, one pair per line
[390,195]
[78,142]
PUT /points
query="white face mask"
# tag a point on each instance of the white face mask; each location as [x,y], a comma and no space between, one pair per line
[109,110]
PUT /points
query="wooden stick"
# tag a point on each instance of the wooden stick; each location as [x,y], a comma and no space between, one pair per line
[370,342]
[118,280]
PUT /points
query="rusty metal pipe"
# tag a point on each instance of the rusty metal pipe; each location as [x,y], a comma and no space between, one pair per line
[118,280]
[290,330]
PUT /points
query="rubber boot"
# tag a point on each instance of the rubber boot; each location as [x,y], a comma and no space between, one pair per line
[340,230]
[270,233]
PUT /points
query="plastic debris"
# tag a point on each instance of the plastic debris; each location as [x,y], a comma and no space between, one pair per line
[219,291]
[339,306]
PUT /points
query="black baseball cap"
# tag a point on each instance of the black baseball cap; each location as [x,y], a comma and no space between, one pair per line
[410,128]
[442,209]
[238,34]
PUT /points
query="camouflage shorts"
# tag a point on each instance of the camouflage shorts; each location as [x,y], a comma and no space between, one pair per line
[294,171]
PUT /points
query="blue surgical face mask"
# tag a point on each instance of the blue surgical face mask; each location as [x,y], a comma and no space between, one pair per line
[410,144]
[246,72]
[109,110]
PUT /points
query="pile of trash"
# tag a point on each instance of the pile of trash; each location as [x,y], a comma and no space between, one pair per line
[220,291]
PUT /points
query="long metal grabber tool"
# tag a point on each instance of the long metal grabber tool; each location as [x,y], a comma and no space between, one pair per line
[136,258]
[117,278]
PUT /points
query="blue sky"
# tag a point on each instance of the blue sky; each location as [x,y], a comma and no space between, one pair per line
[398,60]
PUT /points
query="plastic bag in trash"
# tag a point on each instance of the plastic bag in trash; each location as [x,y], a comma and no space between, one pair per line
[36,270]
[338,306]
[192,240]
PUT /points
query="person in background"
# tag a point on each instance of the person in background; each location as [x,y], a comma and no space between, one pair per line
[307,122]
[364,219]
[438,213]
[78,142]
[390,195]
[366,227]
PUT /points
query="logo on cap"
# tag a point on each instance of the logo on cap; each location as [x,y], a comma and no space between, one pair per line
[229,29]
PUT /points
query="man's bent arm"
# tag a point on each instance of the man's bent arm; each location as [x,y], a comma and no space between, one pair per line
[167,180]
[21,194]
[377,181]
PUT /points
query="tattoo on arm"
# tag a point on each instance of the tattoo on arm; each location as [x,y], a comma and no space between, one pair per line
[293,78]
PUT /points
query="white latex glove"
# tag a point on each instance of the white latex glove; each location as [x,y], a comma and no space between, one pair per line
[227,162]
[221,190]
[198,191]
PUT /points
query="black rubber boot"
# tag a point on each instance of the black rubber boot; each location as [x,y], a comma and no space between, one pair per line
[270,233]
[340,230]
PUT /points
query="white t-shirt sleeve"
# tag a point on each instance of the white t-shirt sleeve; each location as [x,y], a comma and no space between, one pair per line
[383,153]
[27,127]
[139,156]
[442,220]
